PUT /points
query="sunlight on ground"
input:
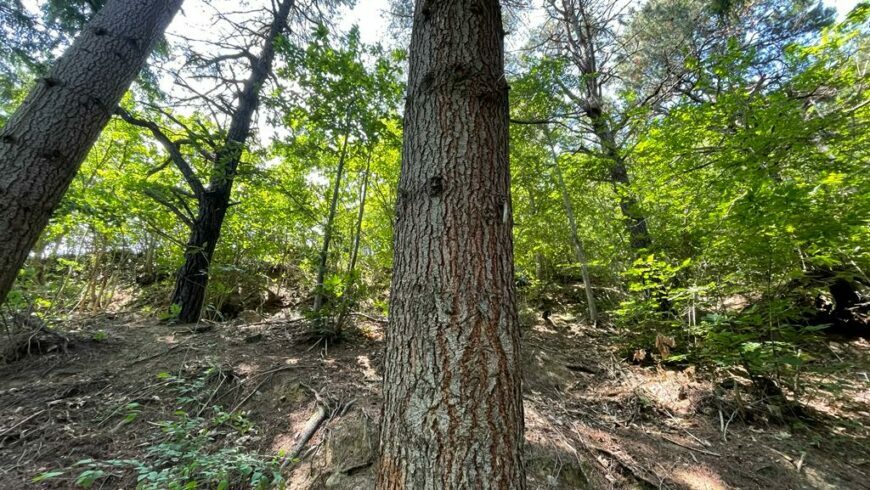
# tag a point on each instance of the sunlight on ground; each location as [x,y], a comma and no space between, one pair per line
[246,369]
[368,371]
[699,478]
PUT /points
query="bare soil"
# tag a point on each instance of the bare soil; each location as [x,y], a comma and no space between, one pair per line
[592,420]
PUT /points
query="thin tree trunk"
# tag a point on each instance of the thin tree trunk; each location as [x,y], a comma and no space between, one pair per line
[350,295]
[45,141]
[579,250]
[453,414]
[359,219]
[327,232]
[539,257]
[192,278]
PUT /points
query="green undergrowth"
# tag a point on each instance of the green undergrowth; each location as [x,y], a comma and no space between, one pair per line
[198,447]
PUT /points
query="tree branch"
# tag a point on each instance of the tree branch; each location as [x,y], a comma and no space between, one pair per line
[170,146]
[188,220]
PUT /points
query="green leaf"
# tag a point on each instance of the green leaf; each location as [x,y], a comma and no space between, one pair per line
[46,476]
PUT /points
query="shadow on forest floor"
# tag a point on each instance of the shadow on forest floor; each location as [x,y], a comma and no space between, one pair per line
[592,420]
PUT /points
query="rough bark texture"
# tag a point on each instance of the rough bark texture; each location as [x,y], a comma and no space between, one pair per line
[45,141]
[192,278]
[453,415]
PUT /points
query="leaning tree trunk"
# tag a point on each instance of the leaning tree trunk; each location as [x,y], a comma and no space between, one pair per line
[453,415]
[45,141]
[191,280]
[579,249]
[635,221]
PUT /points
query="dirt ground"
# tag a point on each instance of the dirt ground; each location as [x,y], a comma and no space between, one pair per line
[592,420]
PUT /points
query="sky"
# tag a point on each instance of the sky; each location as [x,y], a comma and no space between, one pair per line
[369,15]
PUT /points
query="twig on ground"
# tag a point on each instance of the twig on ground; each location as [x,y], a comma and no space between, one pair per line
[143,359]
[372,318]
[702,451]
[636,472]
[279,369]
[321,413]
[213,393]
[26,419]
[250,394]
[724,425]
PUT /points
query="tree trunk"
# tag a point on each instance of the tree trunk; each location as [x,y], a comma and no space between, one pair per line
[327,231]
[453,414]
[539,257]
[635,221]
[359,220]
[45,141]
[192,278]
[579,250]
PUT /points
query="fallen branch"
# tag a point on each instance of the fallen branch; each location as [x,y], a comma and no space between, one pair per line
[167,351]
[250,394]
[372,318]
[702,451]
[268,375]
[314,422]
[19,424]
[636,472]
[633,469]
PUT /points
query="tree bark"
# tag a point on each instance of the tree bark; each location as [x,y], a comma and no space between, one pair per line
[635,221]
[579,250]
[583,23]
[453,415]
[191,280]
[45,141]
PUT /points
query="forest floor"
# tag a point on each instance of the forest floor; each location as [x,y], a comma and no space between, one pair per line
[592,420]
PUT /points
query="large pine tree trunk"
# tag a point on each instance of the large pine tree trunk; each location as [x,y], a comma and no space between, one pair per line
[45,141]
[453,415]
[192,278]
